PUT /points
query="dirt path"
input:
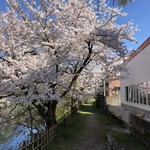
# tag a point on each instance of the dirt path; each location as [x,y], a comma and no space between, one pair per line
[88,131]
[91,140]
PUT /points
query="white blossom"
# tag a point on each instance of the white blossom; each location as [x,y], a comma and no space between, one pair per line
[50,44]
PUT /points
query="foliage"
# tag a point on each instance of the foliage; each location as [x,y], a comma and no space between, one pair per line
[16,119]
[124,2]
[49,49]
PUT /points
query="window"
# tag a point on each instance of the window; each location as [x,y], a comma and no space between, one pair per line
[148,92]
[132,93]
[129,89]
[139,93]
[145,93]
[135,94]
[127,93]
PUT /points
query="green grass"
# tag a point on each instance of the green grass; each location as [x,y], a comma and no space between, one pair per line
[128,141]
[111,127]
[60,112]
[89,101]
[67,135]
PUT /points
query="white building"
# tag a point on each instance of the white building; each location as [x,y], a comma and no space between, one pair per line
[135,87]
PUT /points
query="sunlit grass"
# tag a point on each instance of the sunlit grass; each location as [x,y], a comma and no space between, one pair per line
[85,113]
[90,101]
[86,104]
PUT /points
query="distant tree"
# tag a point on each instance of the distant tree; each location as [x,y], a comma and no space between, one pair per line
[48,45]
[123,2]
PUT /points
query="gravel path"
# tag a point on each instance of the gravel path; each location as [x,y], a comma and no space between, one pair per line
[91,140]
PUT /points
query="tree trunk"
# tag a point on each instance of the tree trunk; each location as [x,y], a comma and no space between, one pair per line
[51,114]
[47,112]
[73,107]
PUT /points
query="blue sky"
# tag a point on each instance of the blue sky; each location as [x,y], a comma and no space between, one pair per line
[138,12]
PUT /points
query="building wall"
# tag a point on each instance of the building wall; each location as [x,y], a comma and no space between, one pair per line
[138,72]
[113,86]
[119,111]
[114,100]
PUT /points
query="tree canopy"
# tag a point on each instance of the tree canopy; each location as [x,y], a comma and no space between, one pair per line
[49,46]
[123,2]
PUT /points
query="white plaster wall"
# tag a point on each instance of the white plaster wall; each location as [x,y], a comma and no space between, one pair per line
[139,71]
[119,111]
[113,100]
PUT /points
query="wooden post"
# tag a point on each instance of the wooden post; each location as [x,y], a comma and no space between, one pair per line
[20,146]
[32,142]
[38,141]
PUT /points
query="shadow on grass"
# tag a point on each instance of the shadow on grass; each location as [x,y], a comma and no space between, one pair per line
[86,107]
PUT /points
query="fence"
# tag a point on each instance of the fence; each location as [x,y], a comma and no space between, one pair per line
[101,102]
[41,140]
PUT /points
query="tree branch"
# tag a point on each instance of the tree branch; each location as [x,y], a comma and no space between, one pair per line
[77,74]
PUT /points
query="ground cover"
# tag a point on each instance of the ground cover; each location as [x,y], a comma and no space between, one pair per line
[88,131]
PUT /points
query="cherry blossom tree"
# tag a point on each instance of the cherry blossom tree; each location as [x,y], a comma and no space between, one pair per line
[48,45]
[124,2]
